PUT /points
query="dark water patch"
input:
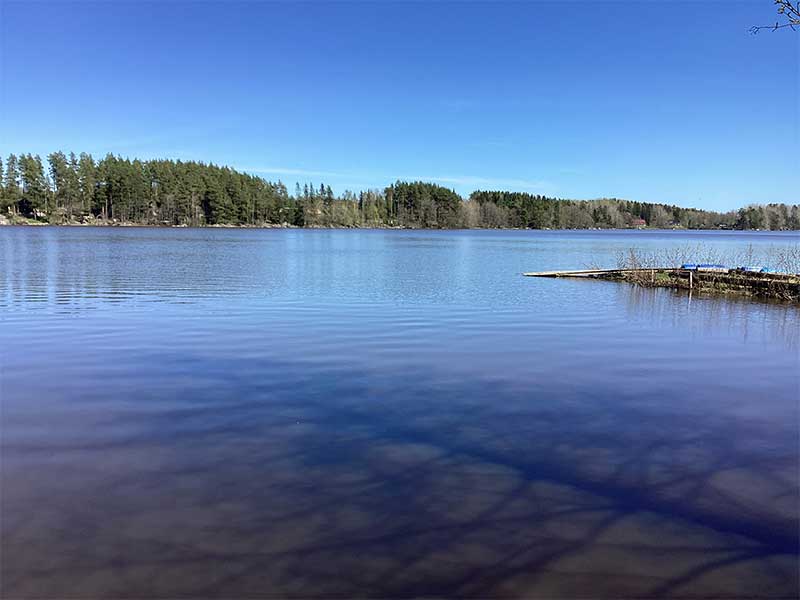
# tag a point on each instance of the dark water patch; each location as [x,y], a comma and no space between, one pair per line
[293,437]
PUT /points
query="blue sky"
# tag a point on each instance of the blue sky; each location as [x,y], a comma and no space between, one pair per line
[660,101]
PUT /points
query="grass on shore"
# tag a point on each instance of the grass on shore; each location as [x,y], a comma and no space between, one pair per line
[783,258]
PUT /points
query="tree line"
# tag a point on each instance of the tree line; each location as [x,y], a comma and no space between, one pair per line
[79,188]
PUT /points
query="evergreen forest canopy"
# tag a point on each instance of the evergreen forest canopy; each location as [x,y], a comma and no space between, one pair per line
[77,188]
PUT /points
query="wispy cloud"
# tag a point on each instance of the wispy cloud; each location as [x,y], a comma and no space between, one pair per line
[291,171]
[459,104]
[464,181]
[489,182]
[570,171]
[496,143]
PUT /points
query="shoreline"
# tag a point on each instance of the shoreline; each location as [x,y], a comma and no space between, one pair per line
[782,287]
[26,222]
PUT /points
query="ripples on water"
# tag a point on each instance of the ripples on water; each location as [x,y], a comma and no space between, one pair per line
[333,413]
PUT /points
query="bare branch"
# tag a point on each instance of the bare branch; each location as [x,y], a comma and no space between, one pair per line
[790,10]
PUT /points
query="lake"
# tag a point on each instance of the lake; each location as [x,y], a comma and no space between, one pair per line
[318,413]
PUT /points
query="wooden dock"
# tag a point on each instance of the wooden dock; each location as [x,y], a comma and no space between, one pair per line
[781,286]
[584,273]
[589,272]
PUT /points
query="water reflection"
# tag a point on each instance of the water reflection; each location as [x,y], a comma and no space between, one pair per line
[72,269]
[376,488]
[775,322]
[330,414]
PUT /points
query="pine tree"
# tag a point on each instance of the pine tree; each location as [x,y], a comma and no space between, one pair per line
[72,184]
[59,177]
[87,182]
[11,184]
[34,186]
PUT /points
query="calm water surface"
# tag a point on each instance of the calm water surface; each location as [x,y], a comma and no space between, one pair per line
[246,413]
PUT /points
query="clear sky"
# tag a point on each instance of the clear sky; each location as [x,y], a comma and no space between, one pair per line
[659,101]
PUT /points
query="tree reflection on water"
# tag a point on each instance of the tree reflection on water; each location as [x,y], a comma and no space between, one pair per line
[319,488]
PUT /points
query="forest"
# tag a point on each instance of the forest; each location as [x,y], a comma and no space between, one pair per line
[70,188]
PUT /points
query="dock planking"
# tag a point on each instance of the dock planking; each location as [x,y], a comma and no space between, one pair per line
[588,272]
[781,286]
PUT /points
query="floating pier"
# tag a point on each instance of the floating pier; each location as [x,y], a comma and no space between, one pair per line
[711,278]
[586,273]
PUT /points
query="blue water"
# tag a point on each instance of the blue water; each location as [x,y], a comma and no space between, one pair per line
[313,413]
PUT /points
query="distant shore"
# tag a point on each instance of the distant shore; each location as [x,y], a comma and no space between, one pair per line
[20,221]
[69,189]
